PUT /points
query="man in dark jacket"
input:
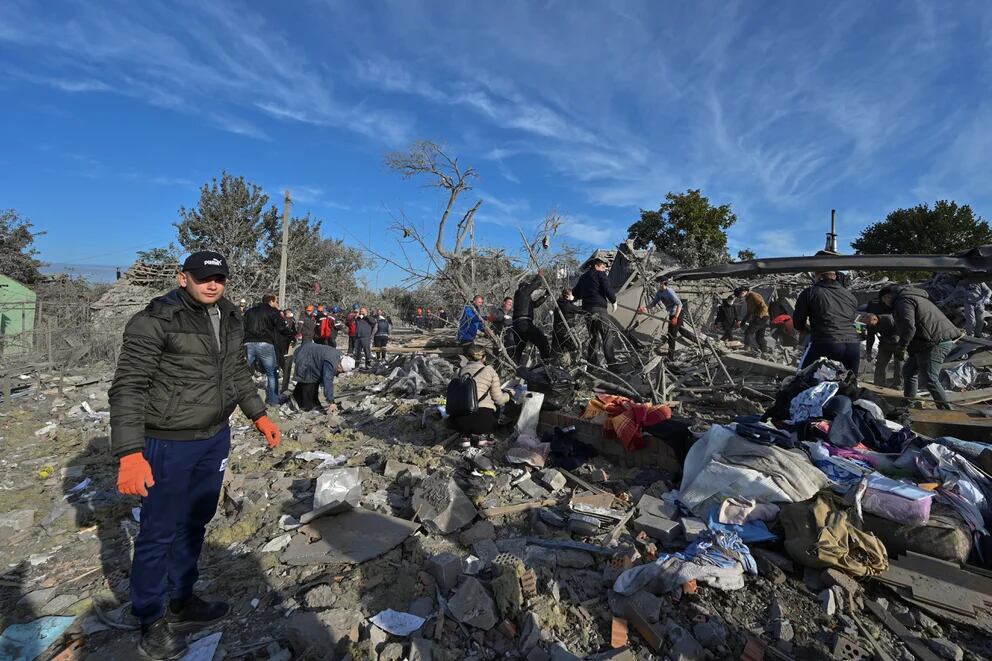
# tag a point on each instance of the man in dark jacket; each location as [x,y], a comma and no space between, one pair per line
[726,317]
[364,328]
[263,323]
[563,337]
[526,330]
[316,364]
[827,310]
[181,372]
[595,291]
[883,327]
[926,336]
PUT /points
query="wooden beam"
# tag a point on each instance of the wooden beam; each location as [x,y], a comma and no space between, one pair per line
[960,424]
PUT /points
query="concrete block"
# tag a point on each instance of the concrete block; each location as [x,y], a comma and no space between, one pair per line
[657,507]
[692,528]
[446,568]
[552,479]
[664,530]
[472,605]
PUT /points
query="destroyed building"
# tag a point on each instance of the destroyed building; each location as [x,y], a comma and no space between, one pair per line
[637,513]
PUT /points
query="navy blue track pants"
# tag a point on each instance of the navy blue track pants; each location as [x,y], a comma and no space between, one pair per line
[188,477]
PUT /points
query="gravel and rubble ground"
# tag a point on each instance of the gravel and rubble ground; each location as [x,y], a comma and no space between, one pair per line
[514,586]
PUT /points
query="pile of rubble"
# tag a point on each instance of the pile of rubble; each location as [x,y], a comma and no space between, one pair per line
[368,535]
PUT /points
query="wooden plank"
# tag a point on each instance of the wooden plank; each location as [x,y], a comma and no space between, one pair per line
[504,510]
[960,424]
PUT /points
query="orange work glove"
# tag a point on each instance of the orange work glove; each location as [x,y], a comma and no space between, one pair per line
[269,431]
[134,475]
[674,320]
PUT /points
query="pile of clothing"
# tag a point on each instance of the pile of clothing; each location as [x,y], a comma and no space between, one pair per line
[625,419]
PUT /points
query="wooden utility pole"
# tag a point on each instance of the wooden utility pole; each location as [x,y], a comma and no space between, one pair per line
[284,254]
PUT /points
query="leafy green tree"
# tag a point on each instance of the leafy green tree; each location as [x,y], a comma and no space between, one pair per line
[746,255]
[687,227]
[233,217]
[17,251]
[922,230]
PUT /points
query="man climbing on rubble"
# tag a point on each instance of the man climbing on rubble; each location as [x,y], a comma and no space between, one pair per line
[673,307]
[594,289]
[364,328]
[524,326]
[563,341]
[755,320]
[317,365]
[827,311]
[263,323]
[182,371]
[926,336]
[480,424]
[471,321]
[884,328]
[726,317]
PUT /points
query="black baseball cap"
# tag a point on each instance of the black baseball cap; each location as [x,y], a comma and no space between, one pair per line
[206,263]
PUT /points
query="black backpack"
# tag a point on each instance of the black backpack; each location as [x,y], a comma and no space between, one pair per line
[462,398]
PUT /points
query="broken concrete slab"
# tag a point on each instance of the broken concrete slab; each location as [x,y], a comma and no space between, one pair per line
[352,537]
[393,469]
[552,479]
[482,529]
[657,507]
[692,528]
[446,568]
[18,520]
[277,544]
[442,505]
[472,605]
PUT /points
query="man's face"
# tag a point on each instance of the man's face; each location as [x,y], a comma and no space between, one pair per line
[207,291]
[887,299]
[508,304]
[742,293]
[478,301]
[871,321]
[363,311]
[599,266]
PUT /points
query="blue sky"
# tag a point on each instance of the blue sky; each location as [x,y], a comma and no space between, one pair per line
[114,113]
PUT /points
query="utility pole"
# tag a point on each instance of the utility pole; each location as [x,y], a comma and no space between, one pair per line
[832,235]
[284,254]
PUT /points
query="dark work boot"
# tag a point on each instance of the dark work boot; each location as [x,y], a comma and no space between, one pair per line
[158,641]
[193,613]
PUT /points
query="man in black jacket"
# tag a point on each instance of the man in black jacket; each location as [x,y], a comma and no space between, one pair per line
[827,310]
[883,327]
[181,372]
[563,337]
[316,364]
[925,334]
[363,337]
[526,330]
[595,291]
[263,323]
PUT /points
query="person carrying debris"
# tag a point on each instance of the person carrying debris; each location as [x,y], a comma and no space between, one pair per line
[563,342]
[755,320]
[317,365]
[471,321]
[480,420]
[884,328]
[526,330]
[726,317]
[182,371]
[926,336]
[594,289]
[827,310]
[380,337]
[364,328]
[673,306]
[263,323]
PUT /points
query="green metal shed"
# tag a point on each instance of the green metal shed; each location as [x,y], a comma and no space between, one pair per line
[17,308]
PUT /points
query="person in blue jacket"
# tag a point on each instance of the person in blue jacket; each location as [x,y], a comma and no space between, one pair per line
[471,321]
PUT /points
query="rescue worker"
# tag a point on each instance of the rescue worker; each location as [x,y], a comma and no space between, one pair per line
[352,327]
[596,293]
[182,370]
[673,307]
[263,324]
[380,336]
[524,326]
[884,328]
[827,310]
[726,317]
[755,320]
[471,321]
[317,365]
[563,341]
[363,337]
[926,336]
[309,324]
[418,319]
